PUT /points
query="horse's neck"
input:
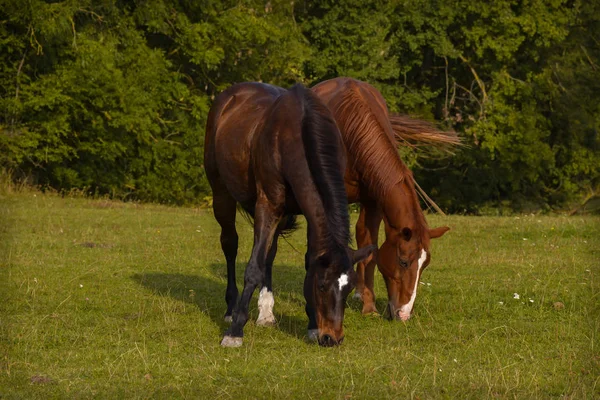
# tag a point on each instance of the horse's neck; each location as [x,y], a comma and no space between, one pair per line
[312,208]
[401,207]
[317,231]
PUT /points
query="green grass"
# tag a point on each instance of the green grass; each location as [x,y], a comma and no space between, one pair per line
[111,300]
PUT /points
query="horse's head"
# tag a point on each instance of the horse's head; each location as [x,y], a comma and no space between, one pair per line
[329,280]
[401,259]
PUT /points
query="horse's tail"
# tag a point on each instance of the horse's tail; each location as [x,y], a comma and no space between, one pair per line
[325,156]
[415,132]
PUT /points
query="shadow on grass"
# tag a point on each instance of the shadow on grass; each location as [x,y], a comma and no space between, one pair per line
[208,293]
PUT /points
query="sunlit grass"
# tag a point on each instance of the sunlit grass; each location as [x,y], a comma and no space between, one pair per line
[105,299]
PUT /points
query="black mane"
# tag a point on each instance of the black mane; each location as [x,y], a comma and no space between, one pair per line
[323,148]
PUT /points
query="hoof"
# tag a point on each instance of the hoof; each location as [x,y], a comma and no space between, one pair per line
[370,311]
[373,314]
[313,335]
[267,321]
[230,341]
[228,319]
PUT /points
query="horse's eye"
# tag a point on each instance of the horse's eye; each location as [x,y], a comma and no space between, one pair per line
[322,287]
[403,263]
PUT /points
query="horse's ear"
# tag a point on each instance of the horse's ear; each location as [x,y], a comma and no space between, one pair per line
[361,254]
[437,232]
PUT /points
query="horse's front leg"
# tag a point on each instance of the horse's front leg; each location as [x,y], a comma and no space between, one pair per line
[367,232]
[312,329]
[266,219]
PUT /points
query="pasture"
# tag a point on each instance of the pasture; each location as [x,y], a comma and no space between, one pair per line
[111,300]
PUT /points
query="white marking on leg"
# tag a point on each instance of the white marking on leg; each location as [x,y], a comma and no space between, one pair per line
[404,312]
[343,281]
[265,308]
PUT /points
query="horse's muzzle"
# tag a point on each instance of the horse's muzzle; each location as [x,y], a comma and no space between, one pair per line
[328,341]
[397,314]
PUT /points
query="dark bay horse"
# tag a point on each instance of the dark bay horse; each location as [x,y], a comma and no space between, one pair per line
[278,153]
[377,178]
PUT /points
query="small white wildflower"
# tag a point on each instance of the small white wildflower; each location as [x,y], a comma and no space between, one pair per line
[80,285]
[428,284]
[531,300]
[35,279]
[516,296]
[524,238]
[455,360]
[198,230]
[422,283]
[501,303]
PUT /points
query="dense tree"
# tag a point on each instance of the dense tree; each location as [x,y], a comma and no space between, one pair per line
[112,96]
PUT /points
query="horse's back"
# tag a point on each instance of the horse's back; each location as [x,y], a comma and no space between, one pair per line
[331,89]
[237,110]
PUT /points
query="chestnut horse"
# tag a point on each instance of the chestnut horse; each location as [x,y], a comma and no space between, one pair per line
[377,178]
[279,153]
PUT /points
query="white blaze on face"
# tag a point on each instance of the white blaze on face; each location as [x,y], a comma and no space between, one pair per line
[343,281]
[405,310]
[422,258]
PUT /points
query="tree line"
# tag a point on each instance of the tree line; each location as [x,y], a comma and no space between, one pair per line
[112,96]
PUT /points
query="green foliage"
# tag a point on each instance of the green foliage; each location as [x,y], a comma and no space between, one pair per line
[112,97]
[510,77]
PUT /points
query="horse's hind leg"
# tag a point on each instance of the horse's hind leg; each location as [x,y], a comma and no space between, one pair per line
[265,225]
[224,207]
[265,297]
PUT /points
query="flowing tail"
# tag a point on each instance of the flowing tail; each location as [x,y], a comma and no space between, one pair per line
[418,133]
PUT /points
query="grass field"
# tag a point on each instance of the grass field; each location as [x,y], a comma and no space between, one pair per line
[111,300]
